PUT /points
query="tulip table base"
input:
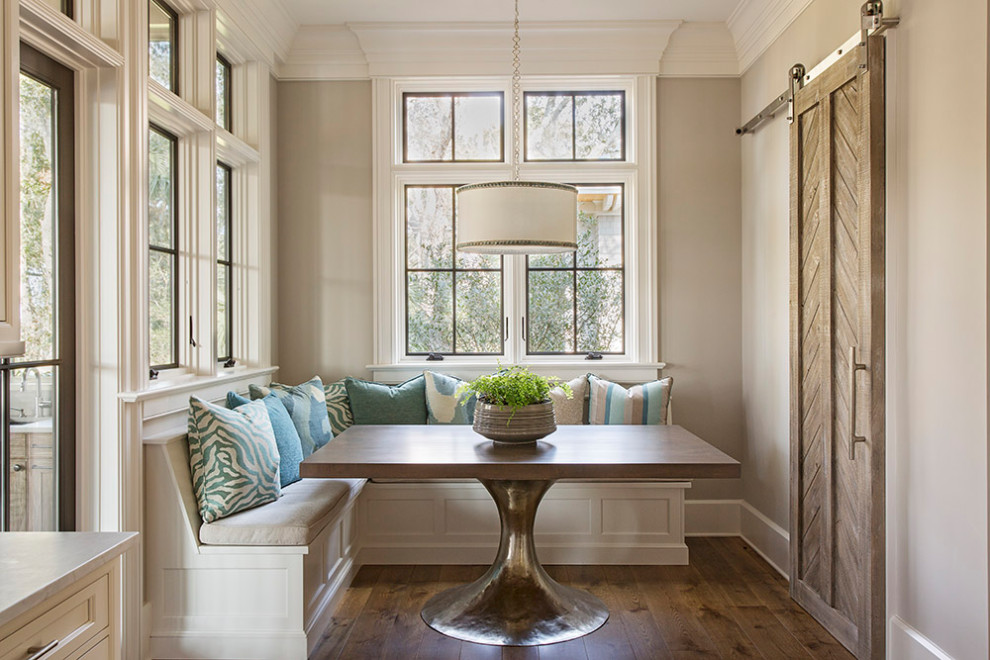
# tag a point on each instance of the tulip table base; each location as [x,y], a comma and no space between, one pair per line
[515,603]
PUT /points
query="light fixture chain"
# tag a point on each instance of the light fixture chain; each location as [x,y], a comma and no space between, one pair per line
[516,97]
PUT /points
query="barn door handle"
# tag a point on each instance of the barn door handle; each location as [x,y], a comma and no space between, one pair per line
[853,368]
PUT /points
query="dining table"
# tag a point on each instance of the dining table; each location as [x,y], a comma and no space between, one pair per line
[516,603]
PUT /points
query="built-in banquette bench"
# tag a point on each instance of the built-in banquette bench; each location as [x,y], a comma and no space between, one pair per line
[263,583]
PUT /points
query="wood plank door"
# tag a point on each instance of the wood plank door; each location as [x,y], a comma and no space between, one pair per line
[837,350]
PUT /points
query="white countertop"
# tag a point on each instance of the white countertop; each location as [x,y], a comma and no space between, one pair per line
[37,565]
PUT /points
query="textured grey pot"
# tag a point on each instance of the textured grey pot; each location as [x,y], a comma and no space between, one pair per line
[525,424]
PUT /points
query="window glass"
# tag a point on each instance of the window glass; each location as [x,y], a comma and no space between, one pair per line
[575,301]
[162,45]
[453,127]
[453,303]
[224,314]
[588,126]
[163,257]
[223,117]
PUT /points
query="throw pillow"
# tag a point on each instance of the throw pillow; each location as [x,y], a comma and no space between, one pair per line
[233,457]
[641,404]
[570,411]
[307,407]
[338,407]
[377,403]
[443,405]
[286,437]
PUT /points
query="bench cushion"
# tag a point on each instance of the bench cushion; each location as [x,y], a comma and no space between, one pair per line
[296,518]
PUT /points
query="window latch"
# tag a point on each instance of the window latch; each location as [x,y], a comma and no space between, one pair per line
[192,342]
[152,374]
[229,363]
[593,355]
[434,357]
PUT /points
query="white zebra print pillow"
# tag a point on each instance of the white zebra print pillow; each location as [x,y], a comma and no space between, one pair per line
[338,407]
[233,457]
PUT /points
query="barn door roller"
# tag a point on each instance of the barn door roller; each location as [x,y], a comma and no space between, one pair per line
[872,22]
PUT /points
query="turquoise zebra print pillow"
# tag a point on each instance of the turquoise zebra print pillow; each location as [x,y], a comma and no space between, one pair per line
[233,457]
[338,407]
[307,407]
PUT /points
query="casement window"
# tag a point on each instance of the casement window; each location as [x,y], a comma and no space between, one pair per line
[163,249]
[434,302]
[225,298]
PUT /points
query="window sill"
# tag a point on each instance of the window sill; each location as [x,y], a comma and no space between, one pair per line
[623,372]
[191,383]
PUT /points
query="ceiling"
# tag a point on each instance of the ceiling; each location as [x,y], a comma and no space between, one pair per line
[328,12]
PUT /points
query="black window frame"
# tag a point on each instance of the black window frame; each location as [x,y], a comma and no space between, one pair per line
[574,270]
[574,94]
[172,251]
[227,360]
[226,102]
[173,53]
[453,270]
[453,126]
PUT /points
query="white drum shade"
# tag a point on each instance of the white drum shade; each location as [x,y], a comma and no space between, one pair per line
[516,217]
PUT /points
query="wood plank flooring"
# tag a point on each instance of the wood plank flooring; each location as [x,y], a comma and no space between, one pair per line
[728,603]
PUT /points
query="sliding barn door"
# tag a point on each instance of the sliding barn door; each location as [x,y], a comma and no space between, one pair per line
[837,350]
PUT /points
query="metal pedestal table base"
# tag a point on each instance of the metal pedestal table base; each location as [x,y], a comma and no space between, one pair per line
[515,603]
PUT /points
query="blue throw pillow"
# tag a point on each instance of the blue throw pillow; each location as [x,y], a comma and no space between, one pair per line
[233,458]
[378,403]
[286,436]
[307,406]
[442,402]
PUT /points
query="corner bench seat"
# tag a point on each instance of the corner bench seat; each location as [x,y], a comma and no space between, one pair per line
[296,518]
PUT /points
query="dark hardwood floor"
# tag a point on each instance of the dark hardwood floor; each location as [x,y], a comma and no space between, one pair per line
[728,603]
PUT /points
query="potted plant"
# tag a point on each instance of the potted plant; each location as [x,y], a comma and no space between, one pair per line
[514,404]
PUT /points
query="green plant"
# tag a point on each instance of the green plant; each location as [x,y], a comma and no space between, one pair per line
[513,386]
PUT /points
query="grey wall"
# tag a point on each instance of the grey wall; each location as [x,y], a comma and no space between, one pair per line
[324,230]
[700,233]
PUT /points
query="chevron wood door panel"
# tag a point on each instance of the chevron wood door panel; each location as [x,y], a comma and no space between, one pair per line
[837,351]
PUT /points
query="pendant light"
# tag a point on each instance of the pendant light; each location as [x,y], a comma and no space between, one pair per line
[516,217]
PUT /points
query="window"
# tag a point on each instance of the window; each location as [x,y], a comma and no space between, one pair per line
[225,299]
[223,117]
[163,253]
[163,29]
[453,299]
[449,127]
[551,311]
[580,126]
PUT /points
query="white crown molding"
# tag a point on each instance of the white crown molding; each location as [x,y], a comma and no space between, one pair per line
[700,50]
[267,24]
[756,24]
[362,50]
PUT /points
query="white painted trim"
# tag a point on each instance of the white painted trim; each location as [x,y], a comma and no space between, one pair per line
[767,538]
[700,50]
[265,25]
[756,24]
[226,378]
[615,371]
[907,643]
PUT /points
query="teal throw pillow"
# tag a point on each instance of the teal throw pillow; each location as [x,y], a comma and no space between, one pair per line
[338,407]
[377,403]
[641,404]
[307,407]
[286,436]
[443,405]
[233,458]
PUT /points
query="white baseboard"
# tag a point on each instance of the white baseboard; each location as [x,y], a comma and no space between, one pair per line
[739,518]
[907,643]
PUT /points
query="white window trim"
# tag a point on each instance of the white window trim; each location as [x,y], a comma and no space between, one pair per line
[637,173]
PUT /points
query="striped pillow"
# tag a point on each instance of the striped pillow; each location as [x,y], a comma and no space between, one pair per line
[233,457]
[307,407]
[640,404]
[338,407]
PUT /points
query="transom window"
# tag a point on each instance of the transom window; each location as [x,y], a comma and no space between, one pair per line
[223,117]
[163,52]
[225,298]
[163,249]
[453,127]
[562,126]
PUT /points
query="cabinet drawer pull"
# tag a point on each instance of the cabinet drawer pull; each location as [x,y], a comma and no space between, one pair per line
[39,652]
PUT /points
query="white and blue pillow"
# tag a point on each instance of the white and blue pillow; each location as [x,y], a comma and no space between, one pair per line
[233,457]
[443,404]
[611,403]
[286,437]
[306,404]
[338,407]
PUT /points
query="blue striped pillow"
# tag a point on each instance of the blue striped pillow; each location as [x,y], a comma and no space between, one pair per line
[307,407]
[233,458]
[641,404]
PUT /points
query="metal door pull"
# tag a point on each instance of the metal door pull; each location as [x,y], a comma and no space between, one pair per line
[853,368]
